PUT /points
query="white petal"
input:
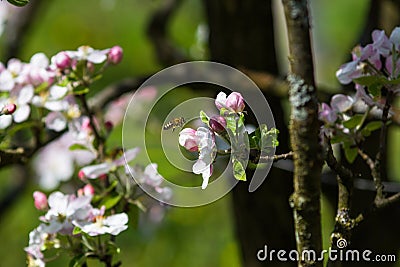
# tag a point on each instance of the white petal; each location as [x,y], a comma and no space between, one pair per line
[5,121]
[57,92]
[56,121]
[94,171]
[116,219]
[129,155]
[22,113]
[56,105]
[39,60]
[199,167]
[96,57]
[6,81]
[25,94]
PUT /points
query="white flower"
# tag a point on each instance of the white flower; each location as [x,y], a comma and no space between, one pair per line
[89,54]
[100,224]
[204,140]
[21,97]
[63,210]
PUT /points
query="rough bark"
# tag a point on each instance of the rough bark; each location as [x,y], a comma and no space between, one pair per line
[241,35]
[304,128]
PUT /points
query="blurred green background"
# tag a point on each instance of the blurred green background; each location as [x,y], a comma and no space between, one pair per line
[196,237]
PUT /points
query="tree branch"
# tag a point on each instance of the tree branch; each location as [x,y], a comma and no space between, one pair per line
[304,130]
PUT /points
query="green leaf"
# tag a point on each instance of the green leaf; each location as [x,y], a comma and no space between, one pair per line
[77,261]
[375,89]
[350,154]
[19,3]
[88,243]
[238,171]
[78,147]
[354,121]
[79,91]
[76,230]
[370,80]
[373,125]
[110,201]
[204,118]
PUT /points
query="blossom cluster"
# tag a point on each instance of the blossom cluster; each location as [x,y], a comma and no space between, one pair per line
[374,66]
[50,84]
[82,215]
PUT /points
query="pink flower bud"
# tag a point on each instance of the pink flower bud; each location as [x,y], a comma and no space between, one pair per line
[40,200]
[235,101]
[108,125]
[9,109]
[218,124]
[81,175]
[62,60]
[115,54]
[88,190]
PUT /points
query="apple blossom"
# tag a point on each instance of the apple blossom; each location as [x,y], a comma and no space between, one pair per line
[63,210]
[203,139]
[234,102]
[100,224]
[188,139]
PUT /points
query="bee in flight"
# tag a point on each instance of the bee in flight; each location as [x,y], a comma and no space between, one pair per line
[174,123]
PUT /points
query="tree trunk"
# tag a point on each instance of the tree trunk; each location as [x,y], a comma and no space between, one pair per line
[241,35]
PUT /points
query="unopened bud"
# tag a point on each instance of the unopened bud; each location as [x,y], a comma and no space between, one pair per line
[217,124]
[40,200]
[115,54]
[8,109]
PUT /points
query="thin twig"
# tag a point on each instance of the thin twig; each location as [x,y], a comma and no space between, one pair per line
[276,158]
[379,167]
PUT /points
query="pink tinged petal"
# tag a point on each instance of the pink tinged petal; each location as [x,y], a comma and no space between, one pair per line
[6,81]
[327,114]
[188,139]
[347,72]
[25,94]
[5,121]
[341,103]
[56,121]
[381,42]
[97,57]
[95,171]
[220,100]
[22,113]
[235,102]
[395,37]
[129,155]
